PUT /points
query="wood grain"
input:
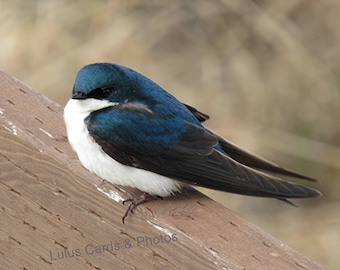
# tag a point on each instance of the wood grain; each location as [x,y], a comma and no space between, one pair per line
[56,215]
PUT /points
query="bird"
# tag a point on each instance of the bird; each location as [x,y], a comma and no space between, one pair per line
[129,131]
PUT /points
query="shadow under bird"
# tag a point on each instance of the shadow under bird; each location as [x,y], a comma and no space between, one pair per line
[129,131]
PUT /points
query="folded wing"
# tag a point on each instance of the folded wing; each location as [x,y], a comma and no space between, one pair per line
[247,158]
[185,152]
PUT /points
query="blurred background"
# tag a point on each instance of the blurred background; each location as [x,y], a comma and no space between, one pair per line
[267,72]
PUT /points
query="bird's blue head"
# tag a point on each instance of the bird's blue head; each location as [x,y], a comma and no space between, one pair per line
[102,81]
[121,85]
[117,84]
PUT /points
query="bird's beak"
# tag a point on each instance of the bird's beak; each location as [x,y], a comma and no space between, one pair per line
[78,95]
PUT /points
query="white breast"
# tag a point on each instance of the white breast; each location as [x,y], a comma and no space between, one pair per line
[97,161]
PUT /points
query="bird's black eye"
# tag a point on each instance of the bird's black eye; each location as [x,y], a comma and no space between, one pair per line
[100,93]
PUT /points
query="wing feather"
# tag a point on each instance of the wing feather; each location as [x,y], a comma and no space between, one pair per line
[247,158]
[183,151]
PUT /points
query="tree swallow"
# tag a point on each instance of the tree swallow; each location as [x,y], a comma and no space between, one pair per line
[129,131]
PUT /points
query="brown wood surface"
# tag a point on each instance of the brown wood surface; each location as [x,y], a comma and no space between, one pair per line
[51,207]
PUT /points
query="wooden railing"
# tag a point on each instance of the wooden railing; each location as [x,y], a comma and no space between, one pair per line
[54,214]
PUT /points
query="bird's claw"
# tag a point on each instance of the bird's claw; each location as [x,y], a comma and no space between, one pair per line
[134,202]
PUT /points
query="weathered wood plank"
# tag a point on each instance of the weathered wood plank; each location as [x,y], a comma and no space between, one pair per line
[56,215]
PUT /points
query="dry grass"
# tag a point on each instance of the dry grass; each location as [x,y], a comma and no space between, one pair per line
[266,71]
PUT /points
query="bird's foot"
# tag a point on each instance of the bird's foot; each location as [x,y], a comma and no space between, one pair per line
[145,197]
